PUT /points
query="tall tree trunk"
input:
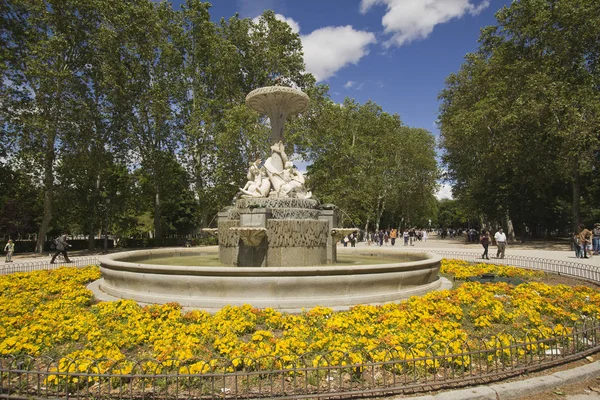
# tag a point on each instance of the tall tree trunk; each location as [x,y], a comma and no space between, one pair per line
[91,241]
[49,157]
[48,193]
[367,227]
[95,198]
[157,227]
[380,209]
[48,198]
[576,206]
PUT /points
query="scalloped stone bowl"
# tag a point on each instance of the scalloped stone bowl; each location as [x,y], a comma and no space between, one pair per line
[290,289]
[277,98]
[278,102]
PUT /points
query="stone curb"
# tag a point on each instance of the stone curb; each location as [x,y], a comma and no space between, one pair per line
[517,389]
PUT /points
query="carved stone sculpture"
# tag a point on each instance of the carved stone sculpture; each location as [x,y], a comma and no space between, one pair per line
[251,236]
[284,179]
[258,184]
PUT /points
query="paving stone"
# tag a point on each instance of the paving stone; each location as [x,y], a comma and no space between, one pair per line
[517,389]
[474,393]
[579,374]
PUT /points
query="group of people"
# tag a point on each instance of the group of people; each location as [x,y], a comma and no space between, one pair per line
[444,233]
[499,238]
[586,242]
[351,238]
[385,237]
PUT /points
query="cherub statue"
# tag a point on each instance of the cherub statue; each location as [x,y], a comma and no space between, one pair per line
[258,184]
[288,183]
[294,186]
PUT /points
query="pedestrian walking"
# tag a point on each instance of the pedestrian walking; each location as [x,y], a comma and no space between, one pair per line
[585,238]
[61,247]
[9,249]
[353,238]
[500,239]
[596,238]
[393,236]
[485,242]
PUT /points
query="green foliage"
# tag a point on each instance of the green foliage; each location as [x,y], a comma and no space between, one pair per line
[20,203]
[129,118]
[178,208]
[451,214]
[519,120]
[366,162]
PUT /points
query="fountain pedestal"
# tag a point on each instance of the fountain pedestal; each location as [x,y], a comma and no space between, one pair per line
[294,233]
[252,248]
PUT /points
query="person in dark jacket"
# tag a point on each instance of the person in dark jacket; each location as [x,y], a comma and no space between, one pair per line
[485,242]
[61,247]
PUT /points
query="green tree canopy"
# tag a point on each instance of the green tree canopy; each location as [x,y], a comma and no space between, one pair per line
[519,121]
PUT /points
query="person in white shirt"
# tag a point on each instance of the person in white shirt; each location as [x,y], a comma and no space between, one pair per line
[500,238]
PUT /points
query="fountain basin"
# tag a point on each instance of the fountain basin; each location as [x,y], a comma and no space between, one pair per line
[289,289]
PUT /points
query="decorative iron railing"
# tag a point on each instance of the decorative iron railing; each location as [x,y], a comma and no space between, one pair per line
[29,266]
[563,267]
[380,371]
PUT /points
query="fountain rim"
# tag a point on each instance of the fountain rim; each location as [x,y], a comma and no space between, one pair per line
[118,261]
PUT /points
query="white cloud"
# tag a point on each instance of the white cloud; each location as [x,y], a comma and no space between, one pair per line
[444,192]
[349,84]
[409,20]
[329,49]
[293,24]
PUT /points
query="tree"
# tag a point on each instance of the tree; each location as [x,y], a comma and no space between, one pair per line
[148,75]
[45,46]
[519,120]
[366,162]
[20,203]
[222,64]
[179,208]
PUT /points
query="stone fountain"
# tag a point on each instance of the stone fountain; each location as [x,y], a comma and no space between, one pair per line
[277,246]
[274,221]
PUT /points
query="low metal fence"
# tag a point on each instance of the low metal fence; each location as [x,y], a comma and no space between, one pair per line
[29,266]
[563,267]
[336,374]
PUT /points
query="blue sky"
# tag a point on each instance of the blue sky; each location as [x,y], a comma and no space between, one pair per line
[394,52]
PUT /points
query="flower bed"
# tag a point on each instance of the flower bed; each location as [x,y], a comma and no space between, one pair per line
[461,270]
[51,313]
